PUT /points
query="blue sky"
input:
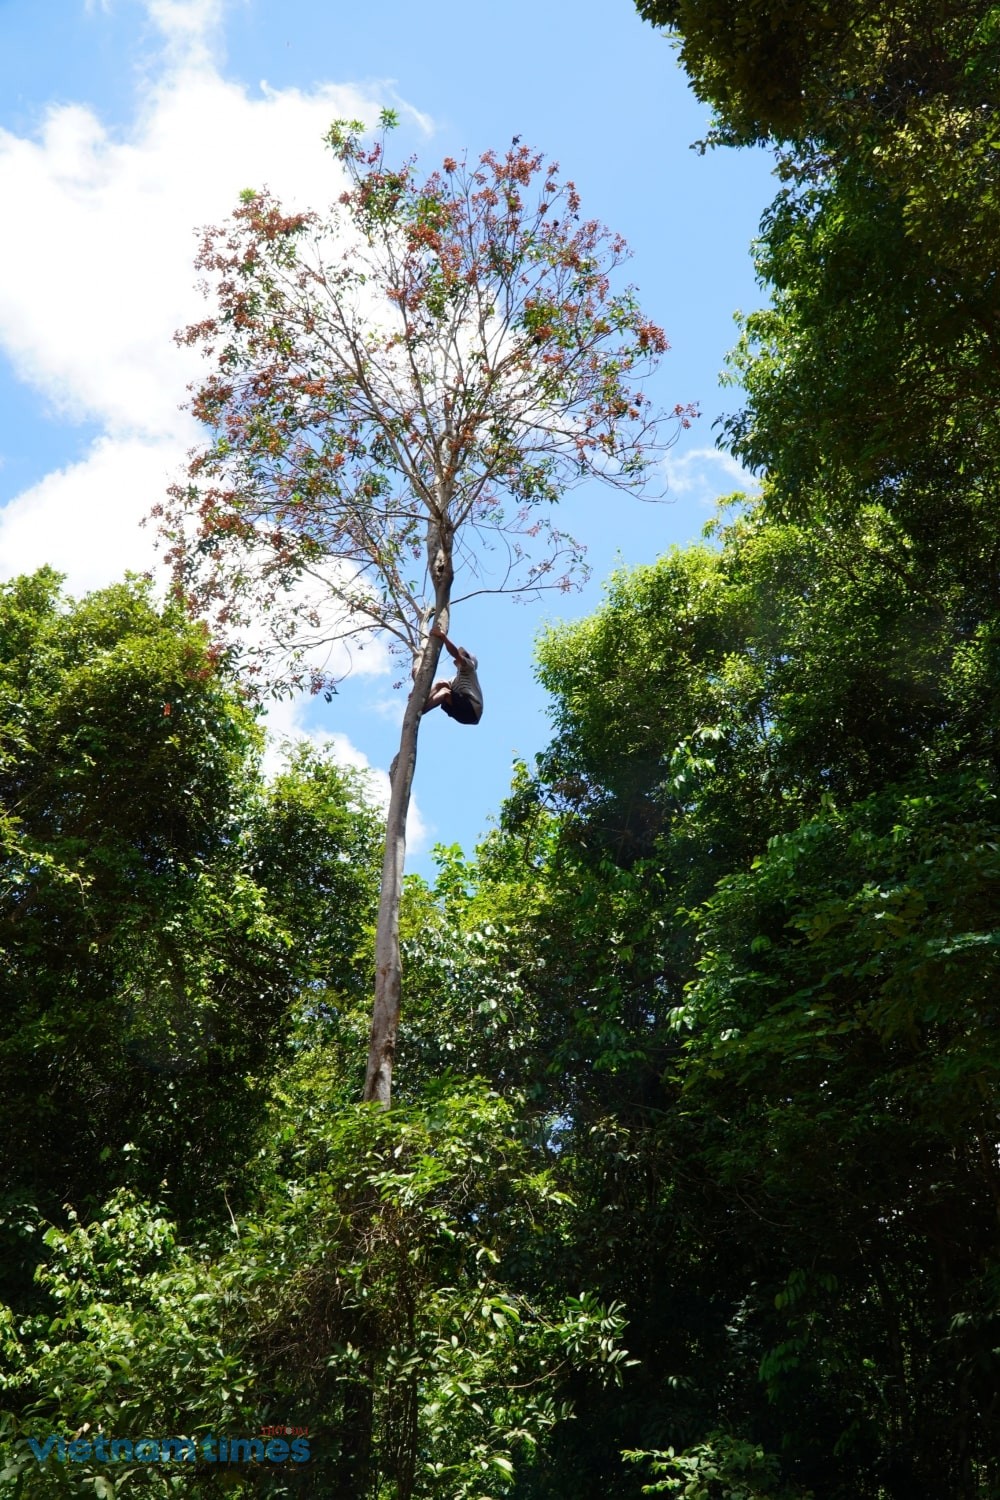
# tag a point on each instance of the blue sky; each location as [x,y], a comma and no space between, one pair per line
[124,124]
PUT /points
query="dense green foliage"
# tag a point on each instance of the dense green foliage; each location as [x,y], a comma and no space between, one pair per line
[153,943]
[752,900]
[203,1235]
[360,1303]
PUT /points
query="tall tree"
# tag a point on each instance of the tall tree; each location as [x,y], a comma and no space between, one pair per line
[833,76]
[872,375]
[413,377]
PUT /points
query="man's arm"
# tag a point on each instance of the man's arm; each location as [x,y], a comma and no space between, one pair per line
[439,635]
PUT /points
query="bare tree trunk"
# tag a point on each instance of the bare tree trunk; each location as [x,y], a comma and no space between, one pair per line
[388,967]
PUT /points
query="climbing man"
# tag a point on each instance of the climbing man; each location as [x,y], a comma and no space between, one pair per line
[462,697]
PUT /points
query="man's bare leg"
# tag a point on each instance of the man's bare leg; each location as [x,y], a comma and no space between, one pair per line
[439,693]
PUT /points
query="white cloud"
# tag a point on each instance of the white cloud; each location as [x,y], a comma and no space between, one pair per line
[85,519]
[190,28]
[91,298]
[99,275]
[391,707]
[703,474]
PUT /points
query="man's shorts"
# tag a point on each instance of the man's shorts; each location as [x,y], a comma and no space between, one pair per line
[462,709]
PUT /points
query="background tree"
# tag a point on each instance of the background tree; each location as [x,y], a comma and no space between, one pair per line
[716,944]
[154,956]
[399,391]
[872,374]
[201,1230]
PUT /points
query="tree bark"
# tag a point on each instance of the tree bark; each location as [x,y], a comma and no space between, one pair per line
[388,965]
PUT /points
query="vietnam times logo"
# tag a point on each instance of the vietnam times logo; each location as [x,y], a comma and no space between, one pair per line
[275,1445]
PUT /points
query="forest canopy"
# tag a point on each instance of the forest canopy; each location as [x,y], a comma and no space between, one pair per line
[690,1185]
